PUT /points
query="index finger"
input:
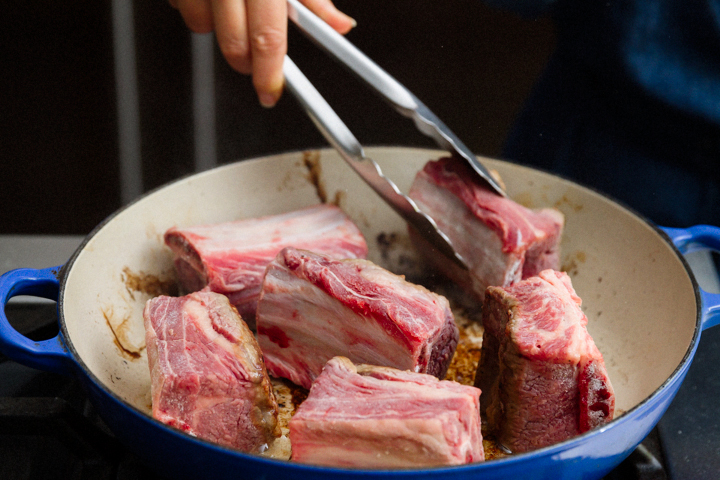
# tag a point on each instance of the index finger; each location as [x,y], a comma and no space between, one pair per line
[326,10]
[267,31]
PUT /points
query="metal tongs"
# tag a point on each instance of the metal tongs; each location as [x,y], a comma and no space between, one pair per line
[340,136]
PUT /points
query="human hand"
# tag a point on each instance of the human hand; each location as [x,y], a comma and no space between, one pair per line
[252,35]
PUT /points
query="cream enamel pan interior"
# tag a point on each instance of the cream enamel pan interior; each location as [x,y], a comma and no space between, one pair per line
[636,291]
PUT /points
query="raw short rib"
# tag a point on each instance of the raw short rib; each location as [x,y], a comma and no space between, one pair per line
[230,258]
[543,379]
[313,308]
[380,417]
[501,241]
[207,372]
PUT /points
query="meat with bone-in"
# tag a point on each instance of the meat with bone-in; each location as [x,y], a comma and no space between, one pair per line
[230,258]
[542,376]
[500,240]
[313,307]
[380,417]
[207,372]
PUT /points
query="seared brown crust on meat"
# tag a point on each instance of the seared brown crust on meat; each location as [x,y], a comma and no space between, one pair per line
[543,378]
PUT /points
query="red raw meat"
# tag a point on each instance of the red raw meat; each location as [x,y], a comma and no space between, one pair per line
[543,378]
[500,240]
[230,258]
[207,372]
[313,307]
[380,417]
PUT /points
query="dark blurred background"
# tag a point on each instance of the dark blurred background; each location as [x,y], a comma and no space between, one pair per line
[102,100]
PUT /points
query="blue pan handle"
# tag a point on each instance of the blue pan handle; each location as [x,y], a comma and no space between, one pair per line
[700,237]
[50,355]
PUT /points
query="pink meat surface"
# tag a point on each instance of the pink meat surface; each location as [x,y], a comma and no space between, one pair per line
[501,241]
[207,372]
[543,377]
[380,417]
[313,307]
[230,258]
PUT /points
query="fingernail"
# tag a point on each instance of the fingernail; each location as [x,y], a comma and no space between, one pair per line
[268,100]
[353,21]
